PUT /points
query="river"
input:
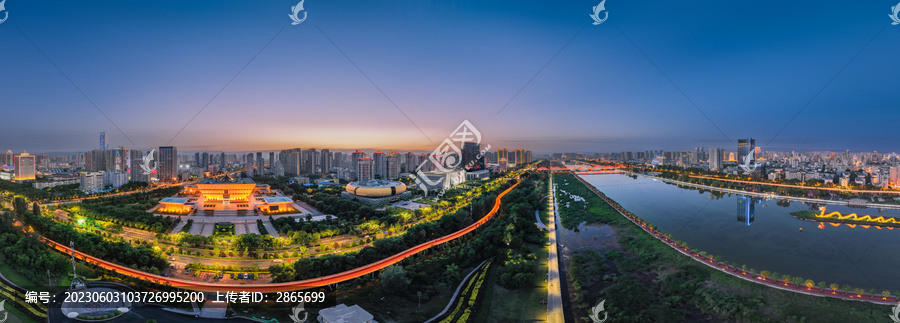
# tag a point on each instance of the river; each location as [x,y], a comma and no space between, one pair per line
[764,235]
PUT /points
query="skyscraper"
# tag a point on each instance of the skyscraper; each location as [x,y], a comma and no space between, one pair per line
[744,147]
[271,160]
[102,140]
[519,156]
[222,160]
[260,163]
[715,159]
[167,171]
[24,166]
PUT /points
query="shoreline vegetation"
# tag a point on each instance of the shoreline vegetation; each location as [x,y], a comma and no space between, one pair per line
[648,280]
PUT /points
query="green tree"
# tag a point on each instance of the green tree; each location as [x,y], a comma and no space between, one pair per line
[20,206]
[809,283]
[765,274]
[886,294]
[833,287]
[394,279]
[36,209]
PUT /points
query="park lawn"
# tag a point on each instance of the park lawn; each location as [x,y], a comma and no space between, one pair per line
[15,277]
[523,305]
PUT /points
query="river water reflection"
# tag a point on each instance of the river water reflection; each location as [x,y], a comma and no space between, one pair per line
[763,234]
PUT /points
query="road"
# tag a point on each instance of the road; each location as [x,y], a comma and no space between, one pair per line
[554,288]
[287,286]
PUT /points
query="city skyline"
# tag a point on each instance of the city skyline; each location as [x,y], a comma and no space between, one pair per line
[555,81]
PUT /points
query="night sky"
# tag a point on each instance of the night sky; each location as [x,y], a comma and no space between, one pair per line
[151,66]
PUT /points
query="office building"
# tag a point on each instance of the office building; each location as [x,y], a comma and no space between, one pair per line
[24,167]
[167,171]
[744,147]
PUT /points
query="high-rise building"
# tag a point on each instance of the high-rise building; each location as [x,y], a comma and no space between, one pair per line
[744,147]
[197,161]
[503,165]
[380,164]
[91,181]
[291,161]
[310,161]
[528,158]
[338,160]
[325,161]
[894,179]
[354,161]
[222,161]
[364,169]
[502,153]
[392,170]
[260,163]
[472,159]
[24,166]
[427,165]
[137,172]
[412,161]
[204,160]
[8,159]
[102,140]
[519,156]
[715,159]
[271,160]
[167,171]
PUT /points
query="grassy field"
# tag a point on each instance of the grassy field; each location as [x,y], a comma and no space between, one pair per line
[15,277]
[521,305]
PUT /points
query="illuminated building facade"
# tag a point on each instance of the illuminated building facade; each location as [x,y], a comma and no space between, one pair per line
[224,189]
[24,166]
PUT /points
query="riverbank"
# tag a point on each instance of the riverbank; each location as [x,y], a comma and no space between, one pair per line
[653,281]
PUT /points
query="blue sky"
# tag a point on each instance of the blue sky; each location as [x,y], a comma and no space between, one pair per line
[151,66]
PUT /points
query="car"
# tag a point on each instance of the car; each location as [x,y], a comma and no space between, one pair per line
[187,271]
[232,275]
[277,260]
[171,258]
[246,275]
